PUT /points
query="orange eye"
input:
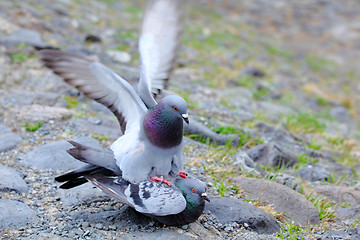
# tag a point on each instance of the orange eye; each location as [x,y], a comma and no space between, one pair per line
[175,108]
[193,190]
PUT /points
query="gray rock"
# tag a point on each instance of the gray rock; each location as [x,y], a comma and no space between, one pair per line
[99,108]
[228,210]
[54,156]
[286,180]
[125,217]
[272,111]
[198,128]
[107,127]
[78,195]
[35,113]
[351,234]
[272,155]
[21,98]
[340,193]
[15,214]
[200,232]
[10,179]
[8,139]
[340,113]
[159,234]
[282,198]
[27,36]
[314,173]
[245,163]
[281,137]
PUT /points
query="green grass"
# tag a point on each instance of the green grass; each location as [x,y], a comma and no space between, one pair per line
[322,102]
[100,137]
[260,93]
[303,160]
[18,57]
[220,187]
[32,127]
[226,130]
[291,231]
[71,102]
[323,205]
[128,34]
[199,138]
[303,123]
[245,81]
[320,64]
[279,52]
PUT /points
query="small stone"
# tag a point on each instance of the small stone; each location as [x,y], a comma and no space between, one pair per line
[99,226]
[112,227]
[119,56]
[85,224]
[186,226]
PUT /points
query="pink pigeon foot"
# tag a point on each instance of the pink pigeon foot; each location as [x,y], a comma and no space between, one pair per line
[183,174]
[160,179]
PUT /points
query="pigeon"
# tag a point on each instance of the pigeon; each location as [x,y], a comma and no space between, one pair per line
[152,140]
[180,203]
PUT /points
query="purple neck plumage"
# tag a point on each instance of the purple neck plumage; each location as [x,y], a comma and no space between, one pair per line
[162,127]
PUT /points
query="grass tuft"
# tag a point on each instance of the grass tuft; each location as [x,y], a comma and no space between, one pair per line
[32,127]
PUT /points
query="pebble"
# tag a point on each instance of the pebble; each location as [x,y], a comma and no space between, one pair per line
[99,226]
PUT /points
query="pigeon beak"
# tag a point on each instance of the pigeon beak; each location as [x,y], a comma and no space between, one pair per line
[185,116]
[205,197]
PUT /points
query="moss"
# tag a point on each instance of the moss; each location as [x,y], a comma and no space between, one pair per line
[71,102]
[32,127]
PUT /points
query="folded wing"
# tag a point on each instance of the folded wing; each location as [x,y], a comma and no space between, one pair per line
[155,198]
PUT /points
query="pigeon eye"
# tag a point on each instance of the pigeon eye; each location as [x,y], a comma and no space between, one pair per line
[193,190]
[175,108]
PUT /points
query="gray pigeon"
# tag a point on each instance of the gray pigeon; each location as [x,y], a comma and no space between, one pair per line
[180,203]
[152,142]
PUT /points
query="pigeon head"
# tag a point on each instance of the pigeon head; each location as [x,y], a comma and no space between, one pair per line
[163,124]
[193,190]
[175,106]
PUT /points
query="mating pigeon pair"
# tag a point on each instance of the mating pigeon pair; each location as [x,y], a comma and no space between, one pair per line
[180,203]
[152,143]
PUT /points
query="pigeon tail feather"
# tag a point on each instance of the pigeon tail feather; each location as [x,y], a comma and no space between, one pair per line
[97,157]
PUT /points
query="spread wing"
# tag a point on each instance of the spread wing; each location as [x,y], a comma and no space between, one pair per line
[99,83]
[155,198]
[159,40]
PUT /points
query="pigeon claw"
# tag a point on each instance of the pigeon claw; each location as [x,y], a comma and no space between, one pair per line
[160,179]
[183,174]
